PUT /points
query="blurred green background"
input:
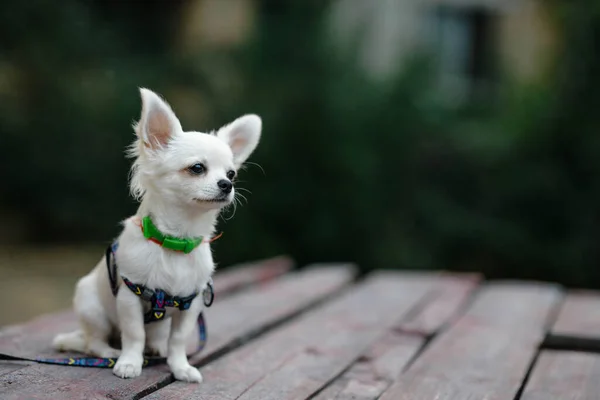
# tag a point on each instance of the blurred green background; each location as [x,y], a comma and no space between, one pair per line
[442,134]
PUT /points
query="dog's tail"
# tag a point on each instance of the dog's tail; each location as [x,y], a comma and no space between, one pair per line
[72,341]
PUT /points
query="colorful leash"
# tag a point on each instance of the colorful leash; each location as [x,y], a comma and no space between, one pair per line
[110,362]
[97,362]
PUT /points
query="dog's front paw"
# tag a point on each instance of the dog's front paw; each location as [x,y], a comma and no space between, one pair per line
[127,369]
[187,374]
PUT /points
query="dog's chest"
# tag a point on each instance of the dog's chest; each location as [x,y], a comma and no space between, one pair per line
[178,274]
[146,263]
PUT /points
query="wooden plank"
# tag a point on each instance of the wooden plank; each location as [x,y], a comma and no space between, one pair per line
[229,320]
[579,316]
[577,326]
[564,375]
[298,359]
[10,366]
[448,299]
[243,275]
[243,316]
[377,369]
[486,354]
[33,338]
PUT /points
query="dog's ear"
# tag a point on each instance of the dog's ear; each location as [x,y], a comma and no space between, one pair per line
[242,135]
[158,122]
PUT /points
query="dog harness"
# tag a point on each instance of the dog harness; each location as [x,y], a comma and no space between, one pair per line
[158,298]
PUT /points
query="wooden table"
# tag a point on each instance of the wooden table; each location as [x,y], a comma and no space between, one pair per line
[321,333]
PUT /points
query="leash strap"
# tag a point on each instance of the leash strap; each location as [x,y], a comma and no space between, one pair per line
[97,362]
[110,362]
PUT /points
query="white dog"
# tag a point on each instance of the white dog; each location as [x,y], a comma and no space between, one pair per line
[183,180]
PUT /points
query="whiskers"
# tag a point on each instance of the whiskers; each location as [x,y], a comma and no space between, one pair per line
[253,163]
[237,200]
[238,193]
[239,196]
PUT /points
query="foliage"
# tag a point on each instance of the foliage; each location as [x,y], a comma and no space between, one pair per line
[382,175]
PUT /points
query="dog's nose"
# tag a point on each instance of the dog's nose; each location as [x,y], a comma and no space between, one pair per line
[225,185]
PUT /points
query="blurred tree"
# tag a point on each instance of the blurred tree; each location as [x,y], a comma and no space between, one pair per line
[380,173]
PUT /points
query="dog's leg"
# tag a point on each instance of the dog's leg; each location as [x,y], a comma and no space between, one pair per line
[157,335]
[97,343]
[71,341]
[182,327]
[133,336]
[95,329]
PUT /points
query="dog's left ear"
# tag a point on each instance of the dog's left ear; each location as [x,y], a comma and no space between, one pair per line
[242,135]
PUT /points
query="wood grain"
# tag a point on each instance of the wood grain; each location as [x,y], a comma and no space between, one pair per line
[242,276]
[564,375]
[230,320]
[10,366]
[298,359]
[377,369]
[486,354]
[448,298]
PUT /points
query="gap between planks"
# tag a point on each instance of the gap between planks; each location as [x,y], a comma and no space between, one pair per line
[577,326]
[298,359]
[488,351]
[373,372]
[564,375]
[568,363]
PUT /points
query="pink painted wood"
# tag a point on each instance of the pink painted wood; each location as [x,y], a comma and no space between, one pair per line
[243,275]
[486,354]
[7,367]
[377,369]
[564,375]
[579,316]
[299,358]
[314,334]
[447,300]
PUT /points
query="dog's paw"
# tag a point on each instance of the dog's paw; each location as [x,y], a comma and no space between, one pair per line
[187,374]
[127,369]
[72,341]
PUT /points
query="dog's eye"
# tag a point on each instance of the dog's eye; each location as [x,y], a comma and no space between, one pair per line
[197,168]
[230,175]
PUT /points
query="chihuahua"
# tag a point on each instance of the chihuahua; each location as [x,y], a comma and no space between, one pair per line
[182,180]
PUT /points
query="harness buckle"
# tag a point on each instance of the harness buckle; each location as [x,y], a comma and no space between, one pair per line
[147,294]
[208,294]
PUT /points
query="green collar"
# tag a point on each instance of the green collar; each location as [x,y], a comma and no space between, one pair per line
[151,232]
